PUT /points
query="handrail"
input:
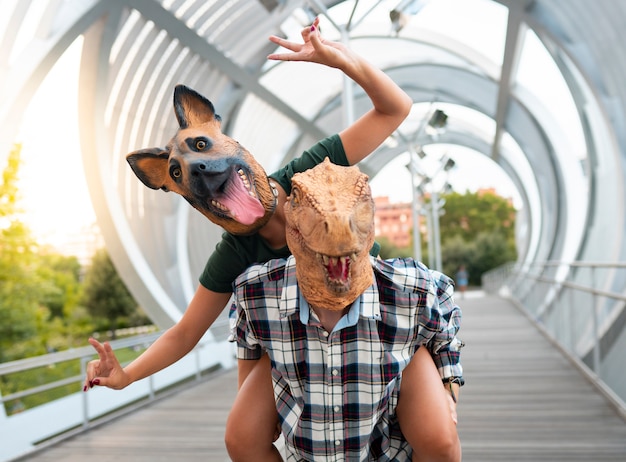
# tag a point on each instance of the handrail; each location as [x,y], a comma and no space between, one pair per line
[83,353]
[585,321]
[82,410]
[73,353]
[580,287]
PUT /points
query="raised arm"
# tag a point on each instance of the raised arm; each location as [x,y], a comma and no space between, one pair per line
[391,103]
[175,343]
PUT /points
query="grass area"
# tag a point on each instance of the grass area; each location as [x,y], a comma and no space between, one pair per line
[26,380]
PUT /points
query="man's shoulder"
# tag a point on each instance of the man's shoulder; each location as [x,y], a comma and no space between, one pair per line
[271,272]
[408,275]
[401,274]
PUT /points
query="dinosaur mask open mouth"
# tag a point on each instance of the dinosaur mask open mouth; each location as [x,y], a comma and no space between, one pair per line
[337,271]
[238,200]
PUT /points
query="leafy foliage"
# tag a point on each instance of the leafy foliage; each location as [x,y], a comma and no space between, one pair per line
[9,193]
[19,290]
[40,300]
[40,291]
[388,250]
[477,231]
[105,295]
[471,214]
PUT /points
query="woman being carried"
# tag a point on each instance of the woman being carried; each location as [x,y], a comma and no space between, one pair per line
[252,422]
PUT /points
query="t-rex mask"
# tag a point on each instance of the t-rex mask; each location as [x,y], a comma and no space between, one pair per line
[213,172]
[330,230]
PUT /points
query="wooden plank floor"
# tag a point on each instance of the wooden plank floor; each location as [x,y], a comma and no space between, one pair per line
[186,426]
[522,402]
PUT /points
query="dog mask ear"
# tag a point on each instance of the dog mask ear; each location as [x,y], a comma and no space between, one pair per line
[192,108]
[150,166]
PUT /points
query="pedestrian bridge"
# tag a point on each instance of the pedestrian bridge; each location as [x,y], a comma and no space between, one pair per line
[546,376]
[525,399]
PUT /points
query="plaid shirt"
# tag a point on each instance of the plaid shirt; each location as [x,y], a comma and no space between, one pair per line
[336,392]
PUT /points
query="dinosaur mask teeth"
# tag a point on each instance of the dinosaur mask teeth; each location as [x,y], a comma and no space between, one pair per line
[337,269]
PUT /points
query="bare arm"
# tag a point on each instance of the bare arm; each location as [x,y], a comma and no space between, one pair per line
[391,103]
[175,343]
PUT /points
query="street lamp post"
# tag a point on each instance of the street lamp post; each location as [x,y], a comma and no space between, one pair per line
[432,123]
[415,211]
[436,236]
[434,210]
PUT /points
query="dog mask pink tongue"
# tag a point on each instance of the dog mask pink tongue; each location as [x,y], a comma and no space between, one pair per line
[243,207]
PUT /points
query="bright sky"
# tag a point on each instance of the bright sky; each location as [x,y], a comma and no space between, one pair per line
[52,180]
[473,171]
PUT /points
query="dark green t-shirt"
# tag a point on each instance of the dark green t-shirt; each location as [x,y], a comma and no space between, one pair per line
[233,254]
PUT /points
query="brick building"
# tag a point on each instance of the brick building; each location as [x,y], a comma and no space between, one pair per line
[393,221]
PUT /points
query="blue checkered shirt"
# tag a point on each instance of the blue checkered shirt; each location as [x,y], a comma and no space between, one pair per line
[336,392]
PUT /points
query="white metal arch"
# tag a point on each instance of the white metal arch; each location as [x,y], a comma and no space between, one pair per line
[135,51]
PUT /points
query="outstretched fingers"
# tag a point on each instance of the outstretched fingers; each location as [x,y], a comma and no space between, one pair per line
[300,51]
[292,46]
[99,370]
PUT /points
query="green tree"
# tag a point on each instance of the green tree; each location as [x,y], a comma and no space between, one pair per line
[9,193]
[62,274]
[389,250]
[494,250]
[470,214]
[104,293]
[39,290]
[478,231]
[19,289]
[68,323]
[456,252]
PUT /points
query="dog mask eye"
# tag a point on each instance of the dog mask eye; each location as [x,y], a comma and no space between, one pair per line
[176,172]
[199,144]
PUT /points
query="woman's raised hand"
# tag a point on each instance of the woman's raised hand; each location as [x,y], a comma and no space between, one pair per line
[314,49]
[105,371]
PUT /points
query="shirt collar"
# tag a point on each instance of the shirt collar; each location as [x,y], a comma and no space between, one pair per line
[367,305]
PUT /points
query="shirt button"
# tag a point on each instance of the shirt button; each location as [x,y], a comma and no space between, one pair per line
[325,334]
[337,442]
[335,372]
[336,408]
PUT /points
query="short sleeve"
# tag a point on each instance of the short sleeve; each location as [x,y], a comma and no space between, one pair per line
[330,147]
[247,345]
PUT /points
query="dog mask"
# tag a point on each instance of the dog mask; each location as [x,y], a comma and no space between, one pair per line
[213,172]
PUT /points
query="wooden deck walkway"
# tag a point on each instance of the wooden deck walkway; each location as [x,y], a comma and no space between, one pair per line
[522,402]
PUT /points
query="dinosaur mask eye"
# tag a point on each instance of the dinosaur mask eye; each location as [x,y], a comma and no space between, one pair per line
[295,197]
[364,216]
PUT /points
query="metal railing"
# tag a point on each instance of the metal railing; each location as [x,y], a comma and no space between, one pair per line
[51,360]
[581,307]
[21,432]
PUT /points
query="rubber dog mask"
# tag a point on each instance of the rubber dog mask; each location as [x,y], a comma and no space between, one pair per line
[213,172]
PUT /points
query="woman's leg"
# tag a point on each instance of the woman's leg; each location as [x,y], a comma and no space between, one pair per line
[252,421]
[425,414]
